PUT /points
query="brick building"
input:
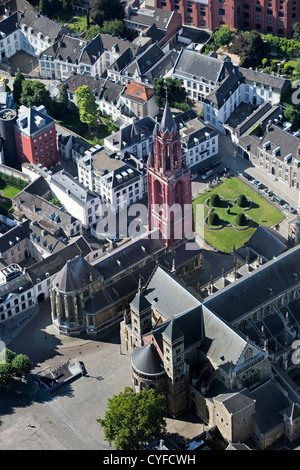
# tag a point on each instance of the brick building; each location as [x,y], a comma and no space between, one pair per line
[267,16]
[36,137]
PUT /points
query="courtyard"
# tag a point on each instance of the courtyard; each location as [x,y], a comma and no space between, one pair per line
[227,234]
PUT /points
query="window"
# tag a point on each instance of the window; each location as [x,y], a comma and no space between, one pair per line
[221,12]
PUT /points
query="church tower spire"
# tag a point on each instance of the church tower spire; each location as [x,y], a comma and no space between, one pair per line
[169,183]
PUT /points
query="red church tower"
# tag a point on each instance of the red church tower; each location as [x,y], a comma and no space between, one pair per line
[169,184]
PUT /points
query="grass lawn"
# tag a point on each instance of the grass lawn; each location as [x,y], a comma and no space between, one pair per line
[9,191]
[75,23]
[261,212]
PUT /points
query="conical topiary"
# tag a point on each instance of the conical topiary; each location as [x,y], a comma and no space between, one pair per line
[241,220]
[213,219]
[242,201]
[214,200]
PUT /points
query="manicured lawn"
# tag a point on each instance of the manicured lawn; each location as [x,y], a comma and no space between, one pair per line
[261,213]
[9,191]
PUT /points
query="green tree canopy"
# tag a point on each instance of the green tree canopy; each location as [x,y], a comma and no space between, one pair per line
[133,418]
[223,36]
[105,10]
[293,115]
[174,86]
[13,365]
[21,366]
[296,34]
[62,98]
[247,44]
[88,108]
[17,88]
[34,93]
[113,27]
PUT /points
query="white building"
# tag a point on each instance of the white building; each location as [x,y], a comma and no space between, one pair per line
[28,31]
[77,200]
[199,141]
[116,179]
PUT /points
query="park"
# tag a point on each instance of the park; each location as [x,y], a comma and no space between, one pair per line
[232,212]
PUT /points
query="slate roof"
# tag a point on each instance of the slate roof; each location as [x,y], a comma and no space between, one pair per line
[237,299]
[144,61]
[221,344]
[122,61]
[41,24]
[131,134]
[168,295]
[8,25]
[14,236]
[29,118]
[66,48]
[91,52]
[76,274]
[140,303]
[267,242]
[146,360]
[167,121]
[286,142]
[55,262]
[159,16]
[14,286]
[77,80]
[235,401]
[253,76]
[161,66]
[193,64]
[268,413]
[227,86]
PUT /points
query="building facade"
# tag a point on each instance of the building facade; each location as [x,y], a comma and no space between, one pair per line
[168,183]
[267,16]
[36,137]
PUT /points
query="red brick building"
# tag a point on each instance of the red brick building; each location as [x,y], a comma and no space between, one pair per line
[169,184]
[36,137]
[267,16]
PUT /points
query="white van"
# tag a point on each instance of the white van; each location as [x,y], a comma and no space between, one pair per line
[207,174]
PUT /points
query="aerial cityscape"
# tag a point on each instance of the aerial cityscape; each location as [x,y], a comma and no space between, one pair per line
[149,227]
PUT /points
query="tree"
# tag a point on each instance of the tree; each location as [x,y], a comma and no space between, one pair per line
[45,7]
[62,98]
[247,45]
[87,106]
[133,418]
[113,27]
[223,36]
[174,87]
[34,93]
[21,366]
[293,115]
[6,374]
[296,34]
[105,10]
[17,88]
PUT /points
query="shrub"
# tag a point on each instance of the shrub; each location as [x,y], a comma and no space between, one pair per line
[213,219]
[214,200]
[241,220]
[242,201]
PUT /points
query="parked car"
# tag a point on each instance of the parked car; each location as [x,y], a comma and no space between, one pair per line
[223,171]
[214,164]
[203,170]
[207,174]
[278,199]
[257,183]
[194,176]
[289,208]
[247,176]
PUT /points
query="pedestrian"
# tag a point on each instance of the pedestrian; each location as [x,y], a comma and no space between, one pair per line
[28,425]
